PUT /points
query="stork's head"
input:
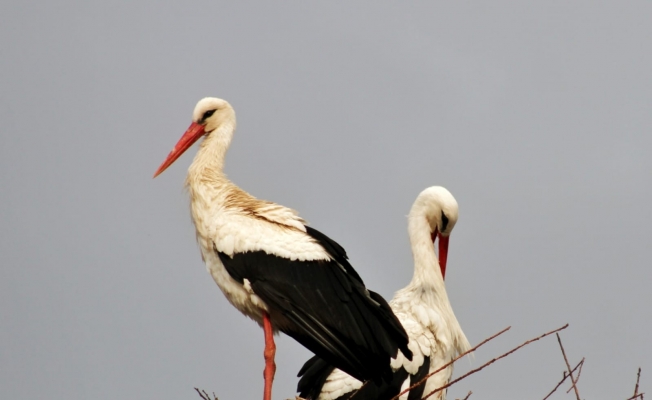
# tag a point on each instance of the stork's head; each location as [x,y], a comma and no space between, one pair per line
[440,210]
[210,113]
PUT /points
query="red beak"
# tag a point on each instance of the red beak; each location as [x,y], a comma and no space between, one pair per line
[443,253]
[193,133]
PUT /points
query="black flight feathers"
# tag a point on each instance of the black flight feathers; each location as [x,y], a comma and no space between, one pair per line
[335,250]
[315,372]
[325,306]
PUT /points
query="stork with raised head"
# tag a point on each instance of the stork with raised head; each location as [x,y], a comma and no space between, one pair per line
[422,307]
[277,270]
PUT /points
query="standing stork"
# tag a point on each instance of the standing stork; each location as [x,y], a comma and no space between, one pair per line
[277,270]
[423,309]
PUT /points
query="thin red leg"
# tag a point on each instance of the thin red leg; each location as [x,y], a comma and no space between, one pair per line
[270,352]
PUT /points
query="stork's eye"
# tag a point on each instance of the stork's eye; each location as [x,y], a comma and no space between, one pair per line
[444,221]
[207,114]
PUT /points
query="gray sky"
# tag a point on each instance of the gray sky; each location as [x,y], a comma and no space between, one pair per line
[536,115]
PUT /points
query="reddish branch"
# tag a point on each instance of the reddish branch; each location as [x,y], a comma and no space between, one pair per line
[565,377]
[491,362]
[577,392]
[578,375]
[451,362]
[636,393]
[569,374]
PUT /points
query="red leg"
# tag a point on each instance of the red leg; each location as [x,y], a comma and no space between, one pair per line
[270,352]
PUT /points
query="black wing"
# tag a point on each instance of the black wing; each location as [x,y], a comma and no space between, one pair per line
[315,372]
[313,376]
[335,250]
[328,308]
[339,254]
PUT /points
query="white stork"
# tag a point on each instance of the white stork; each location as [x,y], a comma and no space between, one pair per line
[277,270]
[423,309]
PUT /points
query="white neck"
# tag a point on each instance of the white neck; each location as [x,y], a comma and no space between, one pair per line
[209,161]
[427,286]
[206,182]
[427,272]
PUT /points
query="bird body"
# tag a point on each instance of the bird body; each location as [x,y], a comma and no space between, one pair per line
[230,221]
[276,269]
[423,309]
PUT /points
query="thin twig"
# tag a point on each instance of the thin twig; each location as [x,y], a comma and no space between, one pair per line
[492,361]
[640,395]
[451,362]
[577,392]
[638,378]
[578,376]
[467,396]
[565,377]
[204,395]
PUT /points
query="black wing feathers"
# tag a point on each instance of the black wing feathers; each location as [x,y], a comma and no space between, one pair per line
[313,376]
[332,319]
[315,372]
[326,308]
[417,392]
[384,391]
[390,323]
[335,250]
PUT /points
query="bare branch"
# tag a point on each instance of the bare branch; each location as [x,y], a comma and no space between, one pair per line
[565,377]
[204,395]
[491,362]
[640,395]
[577,392]
[578,376]
[467,395]
[638,378]
[451,362]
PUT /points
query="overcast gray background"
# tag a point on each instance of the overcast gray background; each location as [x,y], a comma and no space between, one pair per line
[536,116]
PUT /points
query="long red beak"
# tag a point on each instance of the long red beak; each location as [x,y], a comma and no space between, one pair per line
[194,132]
[443,253]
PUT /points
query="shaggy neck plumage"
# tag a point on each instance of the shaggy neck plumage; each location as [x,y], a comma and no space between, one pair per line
[208,164]
[206,182]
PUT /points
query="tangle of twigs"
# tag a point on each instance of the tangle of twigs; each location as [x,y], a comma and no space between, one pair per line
[577,392]
[565,377]
[205,396]
[578,375]
[492,361]
[452,361]
[567,374]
